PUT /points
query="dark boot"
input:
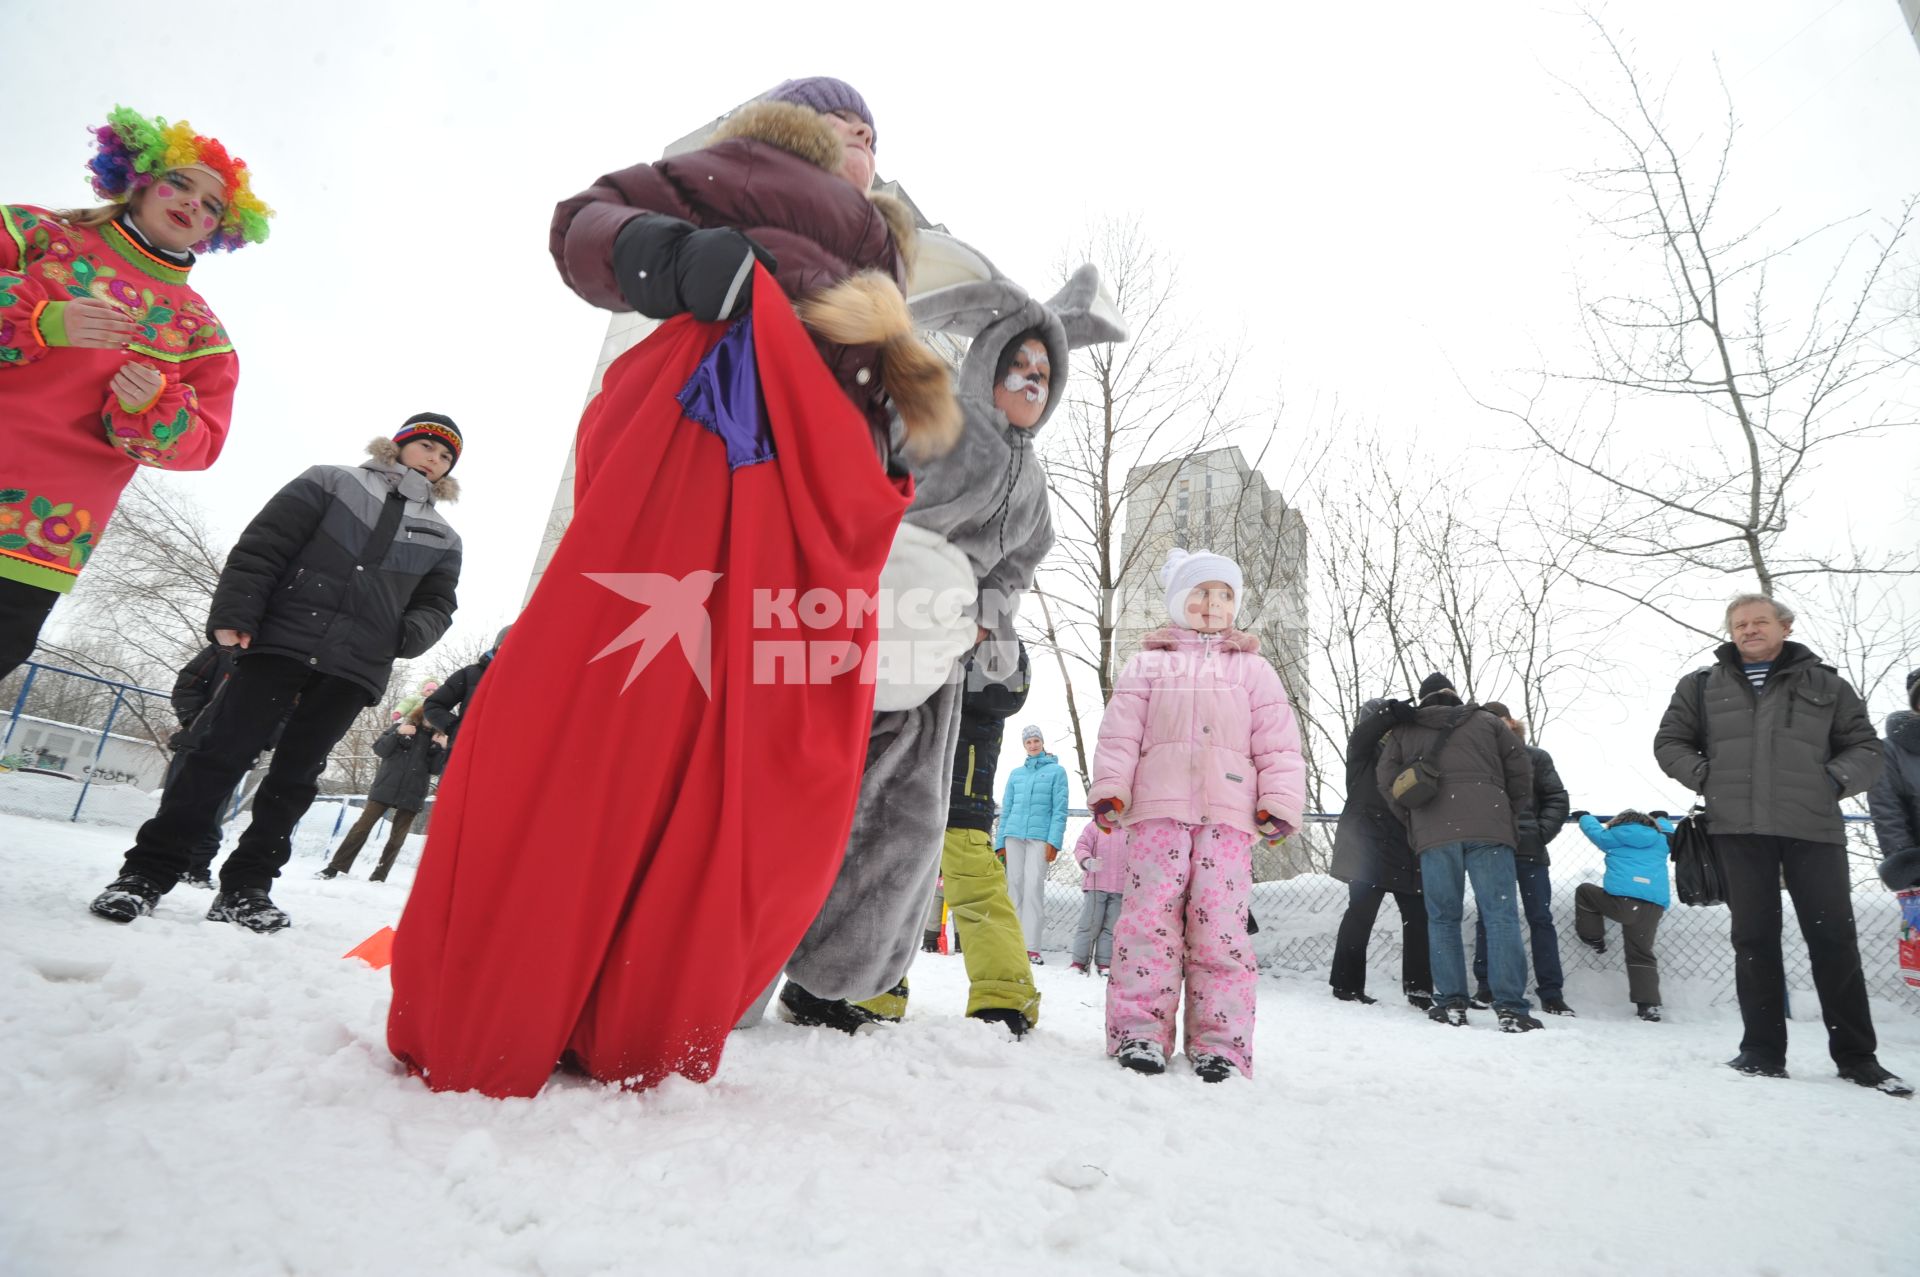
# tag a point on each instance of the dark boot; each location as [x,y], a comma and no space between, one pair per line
[251,908]
[127,897]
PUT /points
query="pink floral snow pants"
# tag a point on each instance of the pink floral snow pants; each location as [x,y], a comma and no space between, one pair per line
[1185,917]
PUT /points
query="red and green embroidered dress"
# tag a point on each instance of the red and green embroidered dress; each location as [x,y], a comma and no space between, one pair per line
[68,447]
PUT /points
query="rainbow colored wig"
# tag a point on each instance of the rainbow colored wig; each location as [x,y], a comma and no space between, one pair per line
[135,150]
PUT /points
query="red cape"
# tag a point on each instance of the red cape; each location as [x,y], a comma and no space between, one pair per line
[615,872]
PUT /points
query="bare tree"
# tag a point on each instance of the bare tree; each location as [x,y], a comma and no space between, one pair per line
[1135,412]
[1755,400]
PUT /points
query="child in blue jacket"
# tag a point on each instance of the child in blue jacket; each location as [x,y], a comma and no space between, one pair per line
[1634,894]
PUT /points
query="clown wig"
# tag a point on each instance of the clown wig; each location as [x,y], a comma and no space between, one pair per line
[135,150]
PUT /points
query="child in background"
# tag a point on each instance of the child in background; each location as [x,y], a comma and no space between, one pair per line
[1103,861]
[1198,754]
[1635,895]
[409,760]
[109,359]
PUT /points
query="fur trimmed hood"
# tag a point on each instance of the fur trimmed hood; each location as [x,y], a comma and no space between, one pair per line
[1173,636]
[446,489]
[799,130]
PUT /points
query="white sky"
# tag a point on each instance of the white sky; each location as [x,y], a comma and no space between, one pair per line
[1375,199]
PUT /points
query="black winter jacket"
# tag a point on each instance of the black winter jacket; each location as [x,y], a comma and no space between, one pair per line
[407,766]
[1370,844]
[985,708]
[1777,763]
[346,569]
[448,704]
[195,689]
[1544,814]
[1895,803]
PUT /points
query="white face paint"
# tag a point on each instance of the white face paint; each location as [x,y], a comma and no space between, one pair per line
[1028,387]
[1022,393]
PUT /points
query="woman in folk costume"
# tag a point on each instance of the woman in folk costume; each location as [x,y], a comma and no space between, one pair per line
[109,359]
[971,541]
[735,460]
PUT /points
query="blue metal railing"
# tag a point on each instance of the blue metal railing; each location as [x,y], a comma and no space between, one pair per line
[120,691]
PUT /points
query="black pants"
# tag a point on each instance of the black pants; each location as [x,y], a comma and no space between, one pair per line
[357,838]
[1639,923]
[1817,879]
[256,698]
[200,858]
[1350,948]
[23,610]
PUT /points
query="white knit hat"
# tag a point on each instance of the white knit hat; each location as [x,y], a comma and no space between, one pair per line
[1184,571]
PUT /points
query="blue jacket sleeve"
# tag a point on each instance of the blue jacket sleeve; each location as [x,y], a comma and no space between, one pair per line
[1598,834]
[1057,828]
[1006,809]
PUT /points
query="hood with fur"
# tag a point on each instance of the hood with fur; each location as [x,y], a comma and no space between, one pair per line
[446,489]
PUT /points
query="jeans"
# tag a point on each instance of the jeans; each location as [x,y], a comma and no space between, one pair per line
[1349,973]
[1536,902]
[1444,871]
[256,699]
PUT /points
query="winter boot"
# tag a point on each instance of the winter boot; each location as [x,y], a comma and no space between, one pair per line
[329,872]
[1211,1068]
[197,876]
[1142,1056]
[1518,1022]
[127,897]
[1456,1016]
[1420,999]
[249,907]
[890,1006]
[1598,944]
[1556,1006]
[1079,968]
[1105,970]
[1871,1074]
[1035,959]
[811,1011]
[1753,1066]
[930,942]
[1649,1011]
[1016,1023]
[1354,995]
[1482,999]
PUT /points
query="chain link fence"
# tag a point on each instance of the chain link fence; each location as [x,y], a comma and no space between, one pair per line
[1299,917]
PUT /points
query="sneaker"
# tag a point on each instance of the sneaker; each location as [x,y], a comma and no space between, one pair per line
[1141,1056]
[1211,1068]
[1456,1016]
[1556,1006]
[197,878]
[1649,1011]
[1016,1023]
[1080,967]
[1354,995]
[1871,1074]
[1518,1022]
[1419,999]
[1036,959]
[810,1011]
[1754,1066]
[249,907]
[127,897]
[1482,1000]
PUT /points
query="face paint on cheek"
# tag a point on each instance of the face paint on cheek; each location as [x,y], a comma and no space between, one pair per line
[1026,387]
[207,223]
[164,191]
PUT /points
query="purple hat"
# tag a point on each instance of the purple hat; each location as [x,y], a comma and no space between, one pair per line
[825,94]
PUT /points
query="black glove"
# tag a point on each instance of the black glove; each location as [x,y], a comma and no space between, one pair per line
[1575,815]
[1401,711]
[1660,815]
[667,267]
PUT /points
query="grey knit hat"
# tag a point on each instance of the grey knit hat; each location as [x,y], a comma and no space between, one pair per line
[826,95]
[1032,732]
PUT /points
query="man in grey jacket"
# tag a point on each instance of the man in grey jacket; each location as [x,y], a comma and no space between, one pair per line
[1469,828]
[1773,739]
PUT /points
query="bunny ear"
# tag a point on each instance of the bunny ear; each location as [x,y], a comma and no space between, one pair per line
[1085,310]
[955,289]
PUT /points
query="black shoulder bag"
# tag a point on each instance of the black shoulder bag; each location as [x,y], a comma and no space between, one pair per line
[1419,782]
[1697,876]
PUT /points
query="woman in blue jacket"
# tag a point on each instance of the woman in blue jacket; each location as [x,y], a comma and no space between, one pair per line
[1634,894]
[1033,820]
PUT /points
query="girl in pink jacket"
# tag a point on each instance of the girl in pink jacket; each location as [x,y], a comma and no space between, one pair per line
[1198,755]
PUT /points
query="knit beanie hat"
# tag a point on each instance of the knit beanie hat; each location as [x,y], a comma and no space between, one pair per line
[431,425]
[1435,683]
[1498,709]
[1183,572]
[826,95]
[1913,690]
[1031,732]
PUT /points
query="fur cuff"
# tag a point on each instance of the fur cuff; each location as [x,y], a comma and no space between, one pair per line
[445,489]
[1901,870]
[868,310]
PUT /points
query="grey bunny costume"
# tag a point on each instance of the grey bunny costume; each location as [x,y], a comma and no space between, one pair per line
[987,498]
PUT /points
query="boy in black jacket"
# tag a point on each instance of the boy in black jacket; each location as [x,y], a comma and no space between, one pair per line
[345,570]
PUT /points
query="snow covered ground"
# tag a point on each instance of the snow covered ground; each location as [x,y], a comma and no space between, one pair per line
[180,1096]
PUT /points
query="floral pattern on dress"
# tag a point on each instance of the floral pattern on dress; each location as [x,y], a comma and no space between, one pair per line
[41,530]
